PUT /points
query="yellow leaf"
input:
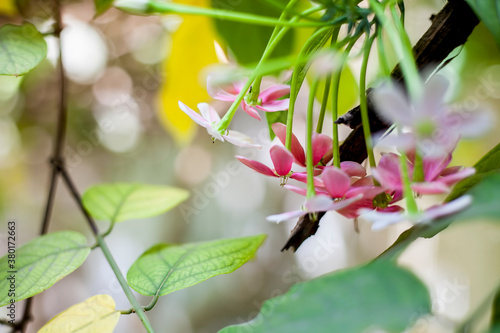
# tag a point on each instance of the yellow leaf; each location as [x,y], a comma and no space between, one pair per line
[8,7]
[94,315]
[192,50]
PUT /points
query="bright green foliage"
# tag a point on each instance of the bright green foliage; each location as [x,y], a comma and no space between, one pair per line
[348,91]
[21,49]
[95,314]
[379,296]
[102,5]
[165,268]
[247,41]
[41,263]
[489,164]
[488,12]
[126,201]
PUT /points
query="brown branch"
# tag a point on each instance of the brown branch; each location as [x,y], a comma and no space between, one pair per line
[450,28]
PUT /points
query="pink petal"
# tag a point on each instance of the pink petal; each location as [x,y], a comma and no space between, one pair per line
[434,166]
[336,182]
[321,144]
[320,204]
[392,105]
[274,106]
[475,124]
[240,139]
[430,188]
[368,192]
[296,189]
[282,160]
[446,209]
[302,177]
[365,181]
[194,115]
[433,96]
[250,110]
[216,91]
[351,211]
[297,151]
[454,178]
[353,169]
[388,172]
[274,92]
[451,170]
[285,216]
[257,166]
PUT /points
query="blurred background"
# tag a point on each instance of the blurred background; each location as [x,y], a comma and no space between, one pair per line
[126,74]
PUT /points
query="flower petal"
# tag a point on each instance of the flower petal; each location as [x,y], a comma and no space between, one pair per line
[216,91]
[446,209]
[257,166]
[240,139]
[274,106]
[208,113]
[430,188]
[381,220]
[336,182]
[302,177]
[285,216]
[321,144]
[274,92]
[392,105]
[195,116]
[453,178]
[434,166]
[353,169]
[433,96]
[282,160]
[388,172]
[250,110]
[297,151]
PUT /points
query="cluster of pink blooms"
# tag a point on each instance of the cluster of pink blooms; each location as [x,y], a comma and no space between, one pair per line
[431,134]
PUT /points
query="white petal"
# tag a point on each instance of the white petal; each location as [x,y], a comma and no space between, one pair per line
[285,216]
[392,105]
[240,139]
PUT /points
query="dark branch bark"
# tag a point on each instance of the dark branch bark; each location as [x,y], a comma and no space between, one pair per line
[450,28]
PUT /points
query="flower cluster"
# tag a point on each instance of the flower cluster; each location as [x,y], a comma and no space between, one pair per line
[426,137]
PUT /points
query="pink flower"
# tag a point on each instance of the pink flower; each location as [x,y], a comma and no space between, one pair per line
[321,145]
[381,220]
[437,177]
[282,161]
[209,119]
[435,127]
[268,100]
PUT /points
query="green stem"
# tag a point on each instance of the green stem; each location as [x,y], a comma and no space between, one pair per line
[309,148]
[294,85]
[175,8]
[123,283]
[363,103]
[418,168]
[411,204]
[403,49]
[382,55]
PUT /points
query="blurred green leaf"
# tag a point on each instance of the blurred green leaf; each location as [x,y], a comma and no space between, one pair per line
[275,117]
[165,268]
[95,314]
[378,296]
[40,263]
[348,91]
[487,165]
[102,5]
[248,41]
[22,48]
[488,12]
[121,201]
[485,205]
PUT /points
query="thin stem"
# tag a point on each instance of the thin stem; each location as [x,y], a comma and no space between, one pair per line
[382,56]
[175,8]
[411,204]
[309,148]
[105,250]
[363,103]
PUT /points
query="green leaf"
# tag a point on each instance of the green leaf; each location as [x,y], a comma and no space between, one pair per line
[41,263]
[22,48]
[121,201]
[165,268]
[378,296]
[95,314]
[489,164]
[275,117]
[248,41]
[488,12]
[485,205]
[102,5]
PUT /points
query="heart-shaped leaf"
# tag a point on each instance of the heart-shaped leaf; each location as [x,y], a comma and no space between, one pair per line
[120,202]
[377,297]
[165,268]
[95,314]
[40,263]
[22,48]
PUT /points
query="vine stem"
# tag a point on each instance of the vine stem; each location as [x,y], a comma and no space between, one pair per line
[309,161]
[105,250]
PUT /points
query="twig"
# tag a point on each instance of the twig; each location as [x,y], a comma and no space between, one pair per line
[56,155]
